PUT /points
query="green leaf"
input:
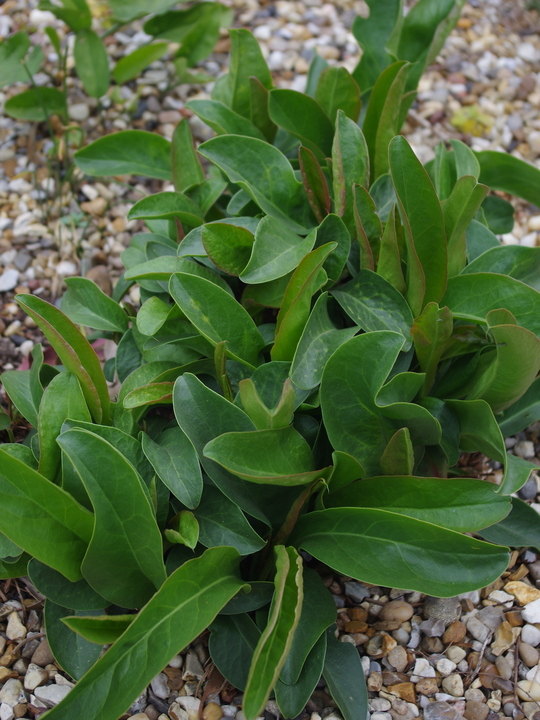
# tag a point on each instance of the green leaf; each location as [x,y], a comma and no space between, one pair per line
[345,678]
[186,166]
[62,399]
[398,455]
[259,109]
[501,171]
[265,174]
[375,304]
[91,63]
[318,613]
[364,543]
[333,229]
[430,332]
[13,51]
[316,67]
[458,211]
[499,214]
[459,504]
[318,342]
[24,387]
[36,104]
[257,597]
[472,296]
[75,13]
[58,589]
[130,152]
[124,561]
[337,90]
[303,117]
[292,699]
[218,317]
[60,529]
[14,569]
[517,261]
[276,251]
[295,308]
[228,246]
[315,183]
[521,528]
[167,205]
[73,653]
[232,642]
[383,115]
[479,240]
[75,352]
[350,166]
[276,640]
[99,629]
[279,456]
[265,418]
[174,459]
[522,413]
[129,66]
[223,120]
[222,522]
[422,215]
[185,605]
[372,34]
[151,394]
[86,304]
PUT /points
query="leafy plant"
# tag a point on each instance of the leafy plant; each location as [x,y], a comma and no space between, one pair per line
[325,325]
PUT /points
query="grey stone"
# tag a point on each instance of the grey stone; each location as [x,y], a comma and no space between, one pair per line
[9,279]
[491,616]
[432,627]
[160,687]
[445,609]
[356,591]
[139,704]
[192,667]
[51,695]
[534,570]
[528,491]
[477,629]
[12,693]
[43,655]
[441,711]
[22,260]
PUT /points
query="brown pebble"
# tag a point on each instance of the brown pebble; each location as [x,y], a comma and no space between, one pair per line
[404,690]
[529,654]
[393,678]
[151,712]
[475,710]
[101,276]
[397,610]
[487,674]
[398,658]
[514,618]
[374,682]
[427,686]
[357,613]
[43,655]
[360,638]
[354,626]
[212,712]
[174,676]
[432,645]
[504,685]
[455,632]
[19,710]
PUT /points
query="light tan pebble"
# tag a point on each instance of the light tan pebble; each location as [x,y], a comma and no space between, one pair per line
[163,717]
[95,207]
[101,275]
[397,610]
[15,629]
[505,636]
[398,658]
[494,704]
[523,593]
[34,677]
[212,712]
[529,654]
[138,716]
[453,685]
[528,690]
[475,710]
[456,654]
[530,709]
[534,221]
[504,668]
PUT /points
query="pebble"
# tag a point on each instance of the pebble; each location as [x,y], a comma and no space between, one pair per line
[453,684]
[455,632]
[42,655]
[9,279]
[15,629]
[78,111]
[441,711]
[66,268]
[398,658]
[432,627]
[445,666]
[12,693]
[446,609]
[160,687]
[422,669]
[51,695]
[531,635]
[381,716]
[95,207]
[529,654]
[531,612]
[192,667]
[477,629]
[475,710]
[212,711]
[34,677]
[356,591]
[523,593]
[455,653]
[528,690]
[397,610]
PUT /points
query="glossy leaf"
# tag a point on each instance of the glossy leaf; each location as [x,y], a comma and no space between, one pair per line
[124,558]
[502,171]
[24,387]
[13,52]
[246,61]
[363,543]
[130,152]
[345,678]
[337,90]
[99,629]
[223,120]
[86,304]
[91,63]
[430,332]
[167,205]
[229,247]
[458,211]
[37,104]
[303,117]
[275,642]
[521,528]
[185,162]
[57,588]
[373,34]
[350,166]
[129,66]
[315,183]
[398,455]
[517,261]
[60,529]
[522,413]
[196,591]
[292,699]
[232,642]
[74,654]
[263,417]
[217,316]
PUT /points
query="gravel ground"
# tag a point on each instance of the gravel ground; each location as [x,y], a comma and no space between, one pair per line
[474,656]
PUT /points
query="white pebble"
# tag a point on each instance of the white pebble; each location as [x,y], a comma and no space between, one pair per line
[531,635]
[445,666]
[9,279]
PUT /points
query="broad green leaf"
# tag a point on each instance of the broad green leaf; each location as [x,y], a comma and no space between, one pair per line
[333,229]
[398,455]
[279,456]
[187,530]
[37,104]
[13,51]
[364,544]
[58,589]
[167,205]
[360,413]
[303,117]
[8,549]
[129,66]
[430,332]
[268,294]
[337,90]
[316,67]
[153,314]
[374,304]
[125,555]
[259,109]
[472,296]
[62,399]
[98,629]
[233,640]
[86,304]
[517,261]
[223,120]
[162,268]
[75,352]
[276,251]
[346,470]
[345,678]
[257,597]
[522,413]
[75,13]
[501,171]
[382,121]
[60,530]
[185,162]
[207,193]
[14,569]
[499,214]
[265,174]
[389,265]
[263,417]
[318,613]
[521,528]
[73,653]
[174,459]
[185,605]
[221,522]
[24,387]
[276,640]
[315,183]
[368,227]
[292,699]
[247,61]
[459,504]
[319,340]
[175,25]
[228,246]
[458,211]
[295,308]
[350,166]
[419,204]
[372,34]
[465,160]
[201,38]
[130,152]
[218,317]
[91,63]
